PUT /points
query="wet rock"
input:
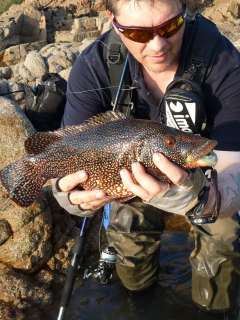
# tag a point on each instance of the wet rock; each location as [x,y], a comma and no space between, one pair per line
[5,231]
[9,312]
[22,290]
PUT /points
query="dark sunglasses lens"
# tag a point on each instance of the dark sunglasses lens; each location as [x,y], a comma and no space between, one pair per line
[166,31]
[170,29]
[138,35]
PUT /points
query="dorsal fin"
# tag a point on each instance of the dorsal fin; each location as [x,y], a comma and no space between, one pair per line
[92,122]
[39,141]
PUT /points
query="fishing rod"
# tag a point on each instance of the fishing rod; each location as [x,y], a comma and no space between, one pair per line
[107,258]
[120,83]
[68,287]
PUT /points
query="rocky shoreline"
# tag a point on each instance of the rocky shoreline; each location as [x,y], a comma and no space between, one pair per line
[38,38]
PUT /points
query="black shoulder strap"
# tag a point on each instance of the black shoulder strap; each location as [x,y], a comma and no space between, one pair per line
[202,38]
[115,54]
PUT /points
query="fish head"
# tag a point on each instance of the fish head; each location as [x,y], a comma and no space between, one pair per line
[185,149]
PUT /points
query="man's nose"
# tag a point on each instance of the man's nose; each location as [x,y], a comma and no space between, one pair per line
[157,43]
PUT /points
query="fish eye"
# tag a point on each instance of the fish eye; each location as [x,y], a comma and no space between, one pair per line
[170,141]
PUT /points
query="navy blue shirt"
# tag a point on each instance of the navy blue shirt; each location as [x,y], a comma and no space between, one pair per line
[89,92]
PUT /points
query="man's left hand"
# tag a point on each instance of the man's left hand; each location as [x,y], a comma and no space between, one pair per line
[178,197]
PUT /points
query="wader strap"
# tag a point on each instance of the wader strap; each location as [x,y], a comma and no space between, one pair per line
[199,55]
[115,56]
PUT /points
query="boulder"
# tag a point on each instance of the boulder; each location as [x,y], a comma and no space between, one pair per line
[35,64]
[29,246]
[16,54]
[28,24]
[234,8]
[9,312]
[22,290]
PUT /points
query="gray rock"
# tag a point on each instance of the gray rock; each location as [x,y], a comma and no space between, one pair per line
[4,87]
[63,36]
[25,74]
[56,48]
[35,64]
[5,73]
[60,56]
[16,54]
[9,26]
[65,73]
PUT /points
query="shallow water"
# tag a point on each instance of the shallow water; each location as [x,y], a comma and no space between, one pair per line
[170,299]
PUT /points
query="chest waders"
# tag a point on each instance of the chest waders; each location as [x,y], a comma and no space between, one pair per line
[134,228]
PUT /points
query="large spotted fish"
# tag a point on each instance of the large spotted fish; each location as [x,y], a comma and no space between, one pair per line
[101,146]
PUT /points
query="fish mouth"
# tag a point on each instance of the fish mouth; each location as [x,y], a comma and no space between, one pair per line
[203,156]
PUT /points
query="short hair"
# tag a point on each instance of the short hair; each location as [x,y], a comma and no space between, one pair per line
[111,5]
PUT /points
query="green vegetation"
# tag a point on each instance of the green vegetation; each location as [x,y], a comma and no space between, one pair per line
[5,4]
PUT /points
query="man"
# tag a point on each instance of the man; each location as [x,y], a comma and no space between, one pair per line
[134,231]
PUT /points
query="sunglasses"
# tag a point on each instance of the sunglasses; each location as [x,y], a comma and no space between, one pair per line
[145,34]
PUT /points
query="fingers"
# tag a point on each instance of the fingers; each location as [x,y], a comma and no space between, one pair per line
[146,186]
[93,197]
[141,183]
[129,183]
[93,205]
[172,171]
[87,200]
[71,181]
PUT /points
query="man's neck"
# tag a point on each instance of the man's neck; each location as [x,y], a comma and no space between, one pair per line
[158,82]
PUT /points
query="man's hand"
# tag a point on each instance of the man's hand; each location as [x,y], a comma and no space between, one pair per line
[77,201]
[178,198]
[147,186]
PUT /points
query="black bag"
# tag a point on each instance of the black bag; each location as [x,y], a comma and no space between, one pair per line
[47,107]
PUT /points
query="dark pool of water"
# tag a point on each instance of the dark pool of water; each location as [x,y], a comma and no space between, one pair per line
[170,299]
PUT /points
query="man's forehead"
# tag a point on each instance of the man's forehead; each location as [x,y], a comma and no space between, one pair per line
[138,3]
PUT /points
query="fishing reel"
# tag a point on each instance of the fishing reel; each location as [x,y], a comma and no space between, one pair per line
[104,271]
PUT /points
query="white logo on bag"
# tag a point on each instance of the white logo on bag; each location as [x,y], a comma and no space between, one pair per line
[177,120]
[178,107]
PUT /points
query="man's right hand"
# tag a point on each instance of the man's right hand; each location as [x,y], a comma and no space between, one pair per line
[77,201]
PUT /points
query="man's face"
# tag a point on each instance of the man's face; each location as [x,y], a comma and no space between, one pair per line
[159,54]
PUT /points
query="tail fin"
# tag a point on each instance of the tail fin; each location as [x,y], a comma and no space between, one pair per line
[23,181]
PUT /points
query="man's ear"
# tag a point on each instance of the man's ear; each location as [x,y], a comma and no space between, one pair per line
[109,14]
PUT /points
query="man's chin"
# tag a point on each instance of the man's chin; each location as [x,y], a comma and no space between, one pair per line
[157,67]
